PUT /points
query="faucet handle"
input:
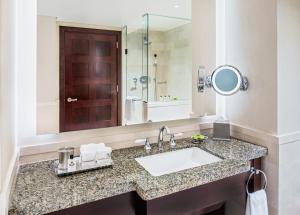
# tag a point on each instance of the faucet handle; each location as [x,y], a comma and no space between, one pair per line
[172,141]
[147,145]
[145,142]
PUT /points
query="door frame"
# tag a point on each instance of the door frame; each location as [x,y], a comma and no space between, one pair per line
[62,94]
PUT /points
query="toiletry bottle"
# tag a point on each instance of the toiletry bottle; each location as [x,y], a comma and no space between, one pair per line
[71,164]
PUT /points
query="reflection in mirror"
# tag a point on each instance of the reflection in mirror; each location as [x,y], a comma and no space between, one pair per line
[158,62]
[102,67]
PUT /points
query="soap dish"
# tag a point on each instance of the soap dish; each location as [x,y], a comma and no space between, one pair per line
[83,166]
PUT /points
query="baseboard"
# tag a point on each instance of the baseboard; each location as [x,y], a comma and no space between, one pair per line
[289,138]
[9,181]
[252,135]
[257,136]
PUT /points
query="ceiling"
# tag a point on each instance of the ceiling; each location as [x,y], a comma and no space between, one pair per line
[116,13]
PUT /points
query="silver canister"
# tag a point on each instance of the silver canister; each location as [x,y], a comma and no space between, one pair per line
[63,156]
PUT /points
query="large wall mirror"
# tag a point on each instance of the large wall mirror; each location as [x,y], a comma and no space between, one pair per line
[120,65]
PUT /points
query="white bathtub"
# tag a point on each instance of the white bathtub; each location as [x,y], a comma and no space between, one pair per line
[172,110]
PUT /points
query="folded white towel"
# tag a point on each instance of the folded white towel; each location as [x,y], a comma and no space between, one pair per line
[85,157]
[92,152]
[91,147]
[257,203]
[103,153]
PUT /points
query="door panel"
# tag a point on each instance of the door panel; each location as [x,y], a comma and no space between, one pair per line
[90,64]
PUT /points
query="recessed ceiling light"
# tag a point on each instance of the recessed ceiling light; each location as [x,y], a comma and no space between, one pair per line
[176,5]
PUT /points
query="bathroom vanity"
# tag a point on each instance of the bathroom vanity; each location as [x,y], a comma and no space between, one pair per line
[128,188]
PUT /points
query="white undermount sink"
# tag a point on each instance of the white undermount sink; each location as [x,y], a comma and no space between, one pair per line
[169,162]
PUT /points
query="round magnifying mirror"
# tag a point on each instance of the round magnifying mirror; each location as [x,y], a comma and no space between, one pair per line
[226,80]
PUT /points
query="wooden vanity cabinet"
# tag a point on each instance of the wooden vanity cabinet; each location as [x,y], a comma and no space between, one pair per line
[226,196]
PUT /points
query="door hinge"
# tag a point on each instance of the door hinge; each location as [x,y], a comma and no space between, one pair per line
[126,51]
[117,88]
[117,44]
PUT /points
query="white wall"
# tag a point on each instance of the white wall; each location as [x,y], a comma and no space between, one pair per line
[288,105]
[17,86]
[263,40]
[7,98]
[204,53]
[288,66]
[47,75]
[251,45]
[26,79]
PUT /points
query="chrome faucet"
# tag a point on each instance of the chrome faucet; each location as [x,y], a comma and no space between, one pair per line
[161,136]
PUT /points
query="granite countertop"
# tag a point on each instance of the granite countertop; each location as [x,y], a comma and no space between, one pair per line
[38,190]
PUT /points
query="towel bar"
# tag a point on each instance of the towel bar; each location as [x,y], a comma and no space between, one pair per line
[256,172]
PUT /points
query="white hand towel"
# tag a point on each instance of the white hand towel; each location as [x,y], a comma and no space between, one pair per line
[132,106]
[129,108]
[257,203]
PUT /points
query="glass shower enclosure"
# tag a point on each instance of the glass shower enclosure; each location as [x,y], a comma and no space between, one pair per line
[157,61]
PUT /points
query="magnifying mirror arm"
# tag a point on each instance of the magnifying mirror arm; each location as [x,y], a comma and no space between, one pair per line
[208,82]
[244,84]
[201,84]
[201,79]
[204,82]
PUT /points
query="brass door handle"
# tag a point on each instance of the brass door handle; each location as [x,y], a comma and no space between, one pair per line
[71,100]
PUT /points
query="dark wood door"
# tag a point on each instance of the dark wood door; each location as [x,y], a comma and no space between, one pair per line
[89,78]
